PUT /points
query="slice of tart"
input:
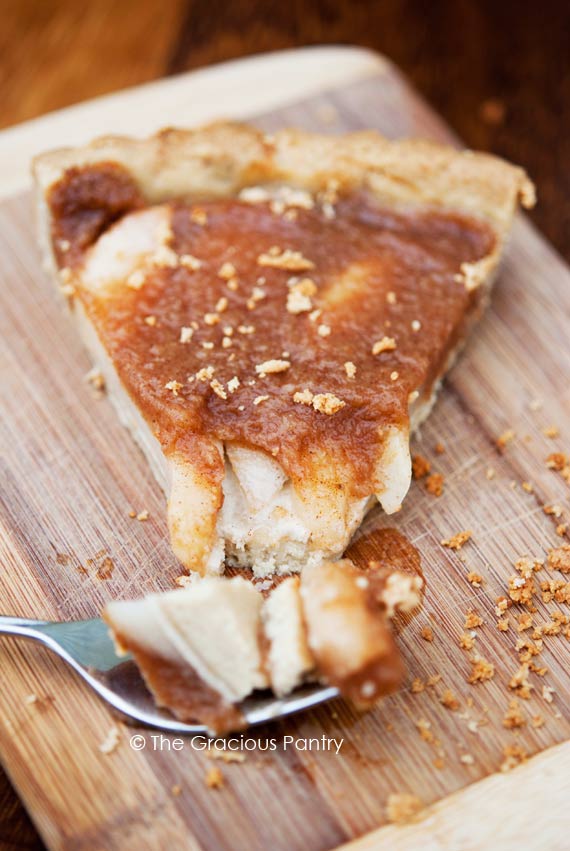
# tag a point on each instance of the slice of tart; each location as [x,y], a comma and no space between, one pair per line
[198,649]
[273,315]
[203,649]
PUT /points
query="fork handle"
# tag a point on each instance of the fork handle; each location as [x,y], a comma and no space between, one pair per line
[18,626]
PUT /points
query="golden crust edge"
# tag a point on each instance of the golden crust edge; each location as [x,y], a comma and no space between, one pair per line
[221,158]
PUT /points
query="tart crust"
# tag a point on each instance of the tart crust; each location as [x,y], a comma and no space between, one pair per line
[218,162]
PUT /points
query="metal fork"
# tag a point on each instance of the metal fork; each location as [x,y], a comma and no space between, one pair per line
[88,647]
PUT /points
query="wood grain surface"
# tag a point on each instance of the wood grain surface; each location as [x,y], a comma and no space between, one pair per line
[71,475]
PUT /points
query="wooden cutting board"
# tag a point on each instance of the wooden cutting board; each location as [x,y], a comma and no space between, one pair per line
[70,476]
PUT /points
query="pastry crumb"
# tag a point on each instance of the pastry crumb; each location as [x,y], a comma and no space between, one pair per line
[513,717]
[327,403]
[214,778]
[472,619]
[551,431]
[427,633]
[504,439]
[558,558]
[467,641]
[557,461]
[386,344]
[449,700]
[514,755]
[271,367]
[458,540]
[481,670]
[96,380]
[420,466]
[434,484]
[174,386]
[402,808]
[111,741]
[278,258]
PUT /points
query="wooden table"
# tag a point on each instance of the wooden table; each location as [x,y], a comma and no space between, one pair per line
[504,93]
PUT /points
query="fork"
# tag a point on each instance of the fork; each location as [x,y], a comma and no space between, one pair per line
[88,647]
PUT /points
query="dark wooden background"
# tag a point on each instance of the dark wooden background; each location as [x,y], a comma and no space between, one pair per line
[497,70]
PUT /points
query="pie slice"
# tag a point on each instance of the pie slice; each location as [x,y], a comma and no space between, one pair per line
[203,649]
[272,315]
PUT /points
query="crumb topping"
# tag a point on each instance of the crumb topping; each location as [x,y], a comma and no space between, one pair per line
[270,367]
[278,258]
[386,344]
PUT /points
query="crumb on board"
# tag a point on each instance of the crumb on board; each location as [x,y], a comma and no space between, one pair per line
[513,717]
[402,807]
[475,579]
[467,641]
[427,633]
[449,700]
[513,755]
[481,670]
[111,741]
[472,619]
[96,380]
[458,540]
[558,558]
[557,461]
[504,439]
[142,515]
[214,778]
[524,621]
[176,790]
[519,682]
[434,484]
[420,466]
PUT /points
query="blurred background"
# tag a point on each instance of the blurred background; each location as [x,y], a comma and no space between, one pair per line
[499,73]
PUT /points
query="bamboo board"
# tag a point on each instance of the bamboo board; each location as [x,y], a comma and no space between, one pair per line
[70,476]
